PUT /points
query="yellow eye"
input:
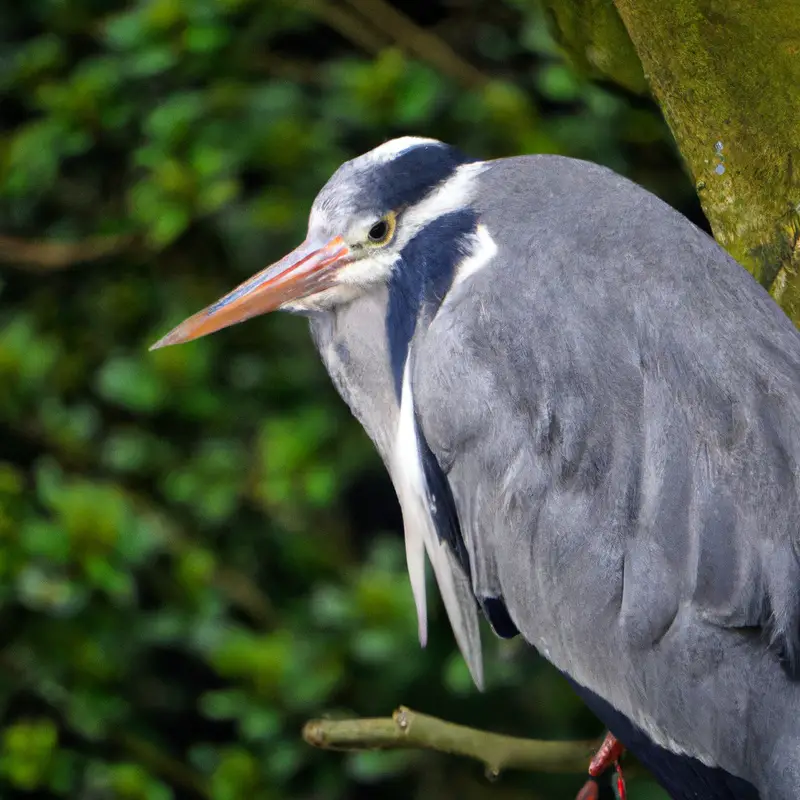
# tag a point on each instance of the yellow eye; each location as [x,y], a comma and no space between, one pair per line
[383,230]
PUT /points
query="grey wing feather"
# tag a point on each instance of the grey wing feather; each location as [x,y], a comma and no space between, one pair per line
[421,537]
[360,369]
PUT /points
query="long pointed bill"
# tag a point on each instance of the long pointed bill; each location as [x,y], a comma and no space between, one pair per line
[308,269]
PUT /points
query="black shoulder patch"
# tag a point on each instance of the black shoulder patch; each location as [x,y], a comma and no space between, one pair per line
[495,610]
[417,288]
[441,504]
[421,280]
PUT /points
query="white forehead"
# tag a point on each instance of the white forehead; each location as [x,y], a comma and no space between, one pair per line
[394,147]
[334,194]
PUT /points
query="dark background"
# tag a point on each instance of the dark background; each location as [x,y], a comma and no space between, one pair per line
[199,549]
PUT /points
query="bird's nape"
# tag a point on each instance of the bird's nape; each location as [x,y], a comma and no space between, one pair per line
[308,269]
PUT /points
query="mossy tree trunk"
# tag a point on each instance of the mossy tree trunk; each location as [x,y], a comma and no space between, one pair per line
[726,74]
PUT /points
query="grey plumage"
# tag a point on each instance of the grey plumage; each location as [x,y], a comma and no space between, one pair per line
[629,480]
[615,405]
[626,481]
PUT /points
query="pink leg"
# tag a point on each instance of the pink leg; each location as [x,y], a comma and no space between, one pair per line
[590,791]
[607,755]
[621,791]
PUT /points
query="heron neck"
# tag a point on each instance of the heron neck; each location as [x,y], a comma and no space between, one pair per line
[352,343]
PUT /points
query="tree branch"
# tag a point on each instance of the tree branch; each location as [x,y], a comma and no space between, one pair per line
[290,69]
[347,25]
[407,729]
[53,255]
[419,42]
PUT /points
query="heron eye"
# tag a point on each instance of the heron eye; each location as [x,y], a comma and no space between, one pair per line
[378,232]
[382,231]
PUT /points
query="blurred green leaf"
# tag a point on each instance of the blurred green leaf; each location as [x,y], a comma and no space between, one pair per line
[235,776]
[27,751]
[371,767]
[132,383]
[199,547]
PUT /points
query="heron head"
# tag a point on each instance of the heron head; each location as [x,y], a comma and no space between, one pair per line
[361,222]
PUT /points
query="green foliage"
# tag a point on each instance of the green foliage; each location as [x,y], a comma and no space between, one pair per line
[198,547]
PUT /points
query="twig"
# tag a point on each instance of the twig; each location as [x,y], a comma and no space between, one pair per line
[51,255]
[346,25]
[289,69]
[418,41]
[245,594]
[410,729]
[156,759]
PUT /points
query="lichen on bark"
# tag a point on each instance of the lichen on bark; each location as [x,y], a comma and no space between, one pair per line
[593,37]
[726,74]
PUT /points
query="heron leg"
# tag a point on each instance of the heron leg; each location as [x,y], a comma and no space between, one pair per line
[590,791]
[607,755]
[621,791]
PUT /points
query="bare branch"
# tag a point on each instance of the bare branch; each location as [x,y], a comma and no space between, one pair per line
[290,69]
[53,255]
[410,729]
[419,42]
[347,25]
[374,25]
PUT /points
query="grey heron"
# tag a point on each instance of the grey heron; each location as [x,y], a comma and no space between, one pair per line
[591,417]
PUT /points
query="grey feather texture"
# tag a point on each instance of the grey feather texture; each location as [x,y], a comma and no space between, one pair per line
[616,405]
[359,367]
[421,537]
[618,402]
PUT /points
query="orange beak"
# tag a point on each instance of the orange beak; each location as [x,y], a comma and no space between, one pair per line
[306,270]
